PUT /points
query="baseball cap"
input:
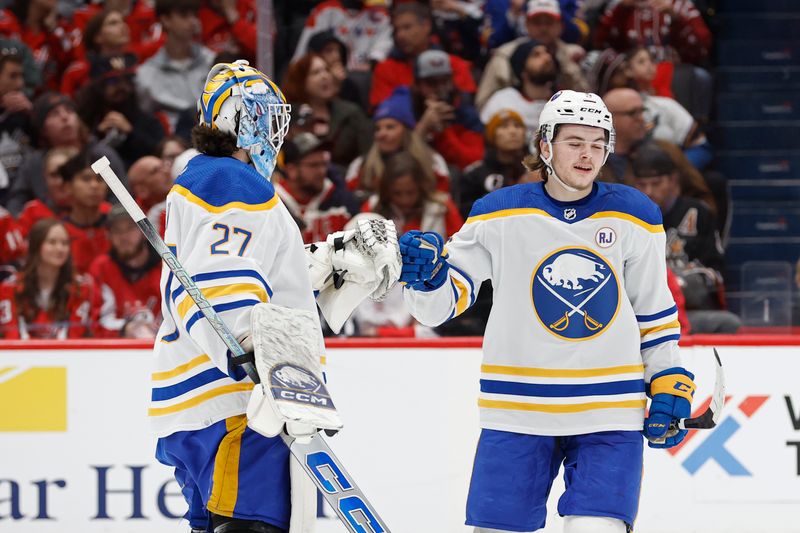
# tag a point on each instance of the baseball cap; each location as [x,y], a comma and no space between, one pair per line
[101,68]
[301,145]
[544,7]
[117,213]
[432,63]
[650,161]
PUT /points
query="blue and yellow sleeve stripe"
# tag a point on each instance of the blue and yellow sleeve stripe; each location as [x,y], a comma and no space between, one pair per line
[245,288]
[188,385]
[660,327]
[463,290]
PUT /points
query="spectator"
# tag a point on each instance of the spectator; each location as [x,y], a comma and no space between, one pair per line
[12,245]
[107,35]
[110,107]
[664,119]
[405,197]
[627,110]
[673,31]
[413,28]
[169,148]
[502,163]
[145,35]
[230,26]
[458,24]
[85,221]
[509,20]
[642,70]
[365,30]
[694,249]
[52,38]
[606,70]
[445,118]
[394,132]
[150,181]
[15,118]
[47,300]
[157,214]
[56,202]
[55,124]
[173,78]
[128,277]
[669,119]
[318,204]
[535,70]
[543,24]
[334,52]
[656,174]
[675,288]
[30,70]
[342,124]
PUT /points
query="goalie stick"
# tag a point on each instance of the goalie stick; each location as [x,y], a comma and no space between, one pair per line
[709,418]
[317,459]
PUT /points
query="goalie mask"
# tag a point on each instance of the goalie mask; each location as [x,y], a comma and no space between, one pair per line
[241,100]
[571,107]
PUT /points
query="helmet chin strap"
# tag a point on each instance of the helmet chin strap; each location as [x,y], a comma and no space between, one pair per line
[548,161]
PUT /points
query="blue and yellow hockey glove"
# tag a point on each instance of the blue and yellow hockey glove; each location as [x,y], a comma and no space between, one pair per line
[424,262]
[671,391]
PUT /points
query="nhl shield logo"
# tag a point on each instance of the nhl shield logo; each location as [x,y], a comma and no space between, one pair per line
[575,293]
[570,213]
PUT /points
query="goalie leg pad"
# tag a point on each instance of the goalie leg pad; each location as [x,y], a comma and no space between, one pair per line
[304,499]
[287,346]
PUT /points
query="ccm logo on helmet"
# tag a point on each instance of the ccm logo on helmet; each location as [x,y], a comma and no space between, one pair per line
[590,110]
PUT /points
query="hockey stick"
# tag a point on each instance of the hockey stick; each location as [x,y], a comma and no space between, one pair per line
[709,418]
[319,462]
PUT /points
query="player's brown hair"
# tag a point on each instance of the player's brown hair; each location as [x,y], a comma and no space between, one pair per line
[213,142]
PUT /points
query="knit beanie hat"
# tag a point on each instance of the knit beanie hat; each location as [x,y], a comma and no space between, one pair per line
[520,56]
[498,119]
[398,107]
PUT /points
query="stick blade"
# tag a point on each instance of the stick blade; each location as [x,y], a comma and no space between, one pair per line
[710,416]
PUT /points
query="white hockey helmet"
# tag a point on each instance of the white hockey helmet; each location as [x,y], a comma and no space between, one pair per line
[572,107]
[241,100]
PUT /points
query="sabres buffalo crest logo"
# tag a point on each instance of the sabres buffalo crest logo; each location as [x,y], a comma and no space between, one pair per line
[575,293]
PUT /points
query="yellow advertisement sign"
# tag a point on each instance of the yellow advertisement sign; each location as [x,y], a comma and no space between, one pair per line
[33,398]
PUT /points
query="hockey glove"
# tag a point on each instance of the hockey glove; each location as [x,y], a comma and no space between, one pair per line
[424,262]
[671,391]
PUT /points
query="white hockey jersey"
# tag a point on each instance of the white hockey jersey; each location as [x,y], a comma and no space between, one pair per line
[239,244]
[582,316]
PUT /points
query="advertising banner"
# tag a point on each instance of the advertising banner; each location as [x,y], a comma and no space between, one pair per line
[78,454]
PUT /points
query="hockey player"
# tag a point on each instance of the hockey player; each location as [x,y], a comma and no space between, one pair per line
[583,329]
[228,228]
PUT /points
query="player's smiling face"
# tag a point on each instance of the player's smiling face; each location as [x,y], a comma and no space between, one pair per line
[578,154]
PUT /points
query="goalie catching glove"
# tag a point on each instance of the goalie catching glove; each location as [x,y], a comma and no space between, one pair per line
[672,391]
[286,347]
[351,265]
